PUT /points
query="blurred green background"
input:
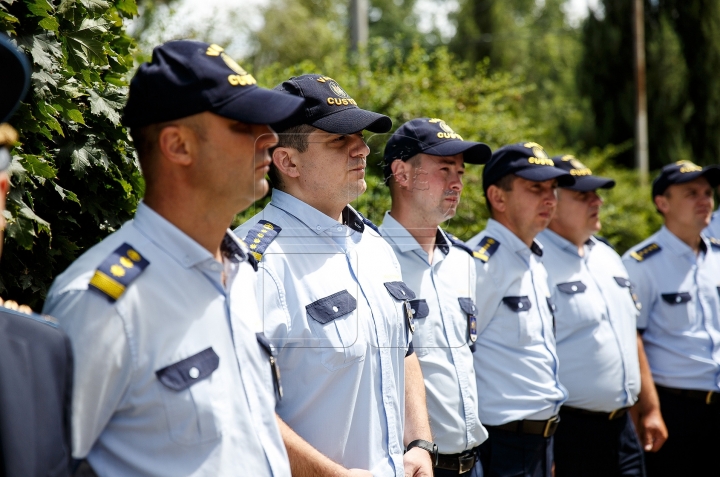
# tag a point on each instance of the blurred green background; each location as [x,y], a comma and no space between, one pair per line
[497,71]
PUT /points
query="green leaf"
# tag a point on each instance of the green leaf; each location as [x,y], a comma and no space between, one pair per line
[127,6]
[74,115]
[38,167]
[103,107]
[95,4]
[65,194]
[27,212]
[40,8]
[45,50]
[80,161]
[22,231]
[49,23]
[85,47]
[65,6]
[4,16]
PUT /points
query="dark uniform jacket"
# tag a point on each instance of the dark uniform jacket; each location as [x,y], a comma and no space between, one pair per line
[36,369]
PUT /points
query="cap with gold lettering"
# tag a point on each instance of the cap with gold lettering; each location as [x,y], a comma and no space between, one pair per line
[585,181]
[527,160]
[681,172]
[329,107]
[190,77]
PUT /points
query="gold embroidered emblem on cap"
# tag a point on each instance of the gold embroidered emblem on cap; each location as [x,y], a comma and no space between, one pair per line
[323,79]
[214,50]
[540,156]
[337,89]
[447,132]
[687,166]
[579,169]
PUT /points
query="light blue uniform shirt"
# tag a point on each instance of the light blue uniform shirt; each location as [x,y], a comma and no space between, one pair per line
[441,339]
[516,363]
[595,320]
[680,310]
[713,230]
[207,417]
[343,370]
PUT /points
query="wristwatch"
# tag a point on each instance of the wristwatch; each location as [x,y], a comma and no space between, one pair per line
[431,447]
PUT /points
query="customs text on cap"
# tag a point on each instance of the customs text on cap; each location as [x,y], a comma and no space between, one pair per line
[681,172]
[434,137]
[585,181]
[190,77]
[527,160]
[329,108]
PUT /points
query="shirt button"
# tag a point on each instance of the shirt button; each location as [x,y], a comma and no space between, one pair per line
[573,288]
[339,228]
[678,299]
[318,227]
[520,305]
[335,309]
[403,291]
[194,372]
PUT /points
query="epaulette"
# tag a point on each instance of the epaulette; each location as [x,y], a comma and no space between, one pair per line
[485,249]
[12,305]
[260,237]
[715,243]
[118,271]
[367,222]
[645,252]
[456,242]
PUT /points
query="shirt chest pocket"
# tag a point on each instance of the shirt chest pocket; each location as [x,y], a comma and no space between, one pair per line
[574,304]
[187,392]
[677,310]
[529,326]
[334,320]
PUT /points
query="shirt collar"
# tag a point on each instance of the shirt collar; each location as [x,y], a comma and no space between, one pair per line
[506,237]
[548,236]
[315,220]
[177,243]
[677,246]
[403,240]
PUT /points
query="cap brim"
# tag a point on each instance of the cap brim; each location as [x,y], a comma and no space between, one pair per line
[545,173]
[260,106]
[588,183]
[473,152]
[14,80]
[352,120]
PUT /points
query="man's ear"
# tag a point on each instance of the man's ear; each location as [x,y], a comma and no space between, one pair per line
[177,144]
[401,173]
[497,198]
[661,204]
[286,161]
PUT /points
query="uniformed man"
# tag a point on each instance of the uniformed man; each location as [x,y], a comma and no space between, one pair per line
[424,164]
[334,301]
[597,342]
[676,272]
[35,355]
[516,364]
[170,379]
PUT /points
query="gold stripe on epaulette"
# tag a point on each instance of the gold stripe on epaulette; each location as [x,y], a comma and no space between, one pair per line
[636,256]
[481,256]
[107,285]
[258,256]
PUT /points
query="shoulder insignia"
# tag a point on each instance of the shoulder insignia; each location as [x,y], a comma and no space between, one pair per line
[367,222]
[485,249]
[260,237]
[120,269]
[456,242]
[715,243]
[645,252]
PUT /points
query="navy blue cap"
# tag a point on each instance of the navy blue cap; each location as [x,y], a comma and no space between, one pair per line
[584,180]
[14,79]
[684,171]
[189,77]
[527,160]
[329,107]
[434,137]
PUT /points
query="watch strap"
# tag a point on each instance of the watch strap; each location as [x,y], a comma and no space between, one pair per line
[431,447]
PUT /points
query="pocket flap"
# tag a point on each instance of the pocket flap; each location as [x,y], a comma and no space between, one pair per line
[623,282]
[420,309]
[517,303]
[468,306]
[551,305]
[189,371]
[265,344]
[334,306]
[676,298]
[399,290]
[572,287]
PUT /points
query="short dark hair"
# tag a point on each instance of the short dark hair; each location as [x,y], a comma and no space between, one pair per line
[505,183]
[295,137]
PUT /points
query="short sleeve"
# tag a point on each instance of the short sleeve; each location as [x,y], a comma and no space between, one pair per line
[102,362]
[272,302]
[487,294]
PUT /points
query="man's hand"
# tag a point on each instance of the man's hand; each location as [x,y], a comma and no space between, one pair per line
[418,463]
[652,431]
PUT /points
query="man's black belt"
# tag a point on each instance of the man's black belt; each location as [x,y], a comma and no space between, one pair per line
[610,416]
[708,397]
[544,428]
[463,462]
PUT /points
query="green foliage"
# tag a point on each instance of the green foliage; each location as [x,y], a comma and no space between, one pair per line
[74,176]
